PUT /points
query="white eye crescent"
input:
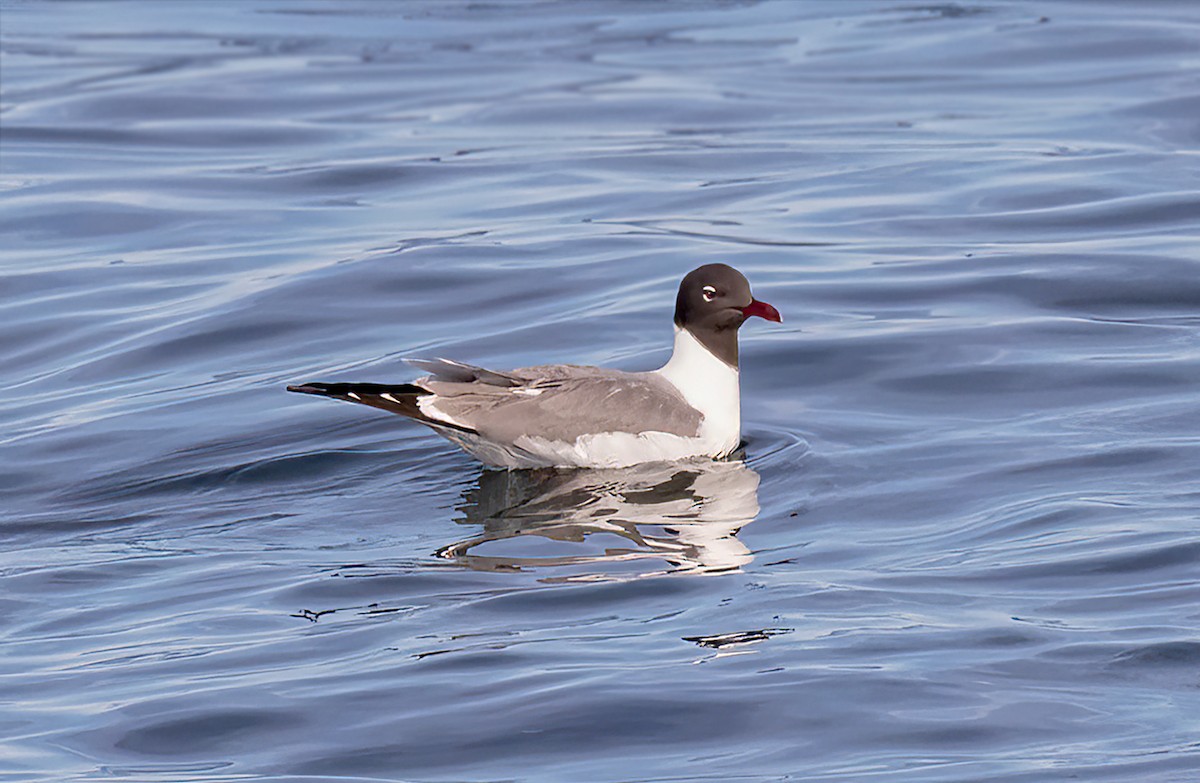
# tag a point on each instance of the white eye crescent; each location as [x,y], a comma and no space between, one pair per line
[709,292]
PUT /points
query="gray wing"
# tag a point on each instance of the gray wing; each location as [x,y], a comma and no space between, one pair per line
[457,372]
[563,402]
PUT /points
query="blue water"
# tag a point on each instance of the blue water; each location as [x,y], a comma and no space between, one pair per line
[962,543]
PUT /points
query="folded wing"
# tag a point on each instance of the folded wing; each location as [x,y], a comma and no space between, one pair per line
[562,403]
[558,403]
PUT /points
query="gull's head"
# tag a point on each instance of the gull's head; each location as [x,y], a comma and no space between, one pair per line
[713,302]
[717,297]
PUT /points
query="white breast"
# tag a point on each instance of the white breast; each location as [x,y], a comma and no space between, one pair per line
[711,387]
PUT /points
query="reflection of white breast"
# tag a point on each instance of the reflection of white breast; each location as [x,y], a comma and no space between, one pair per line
[710,386]
[727,497]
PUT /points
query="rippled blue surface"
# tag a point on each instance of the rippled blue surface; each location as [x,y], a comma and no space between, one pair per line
[962,544]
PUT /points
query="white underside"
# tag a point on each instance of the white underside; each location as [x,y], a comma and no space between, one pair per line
[708,384]
[601,450]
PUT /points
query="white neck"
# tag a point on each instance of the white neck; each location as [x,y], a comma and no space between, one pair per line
[710,386]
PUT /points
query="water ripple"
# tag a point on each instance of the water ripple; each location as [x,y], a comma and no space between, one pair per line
[959,542]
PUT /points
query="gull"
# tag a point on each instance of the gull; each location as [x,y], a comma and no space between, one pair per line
[565,415]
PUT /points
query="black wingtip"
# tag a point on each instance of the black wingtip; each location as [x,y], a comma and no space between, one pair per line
[309,388]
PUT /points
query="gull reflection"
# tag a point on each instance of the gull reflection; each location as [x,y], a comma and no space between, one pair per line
[600,525]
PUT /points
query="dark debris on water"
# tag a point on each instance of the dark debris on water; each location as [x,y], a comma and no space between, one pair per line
[717,641]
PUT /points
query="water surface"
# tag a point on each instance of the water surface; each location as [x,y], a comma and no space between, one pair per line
[961,544]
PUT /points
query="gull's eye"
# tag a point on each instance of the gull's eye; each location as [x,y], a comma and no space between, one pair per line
[709,292]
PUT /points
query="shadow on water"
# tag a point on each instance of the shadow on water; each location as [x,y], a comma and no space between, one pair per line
[684,518]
